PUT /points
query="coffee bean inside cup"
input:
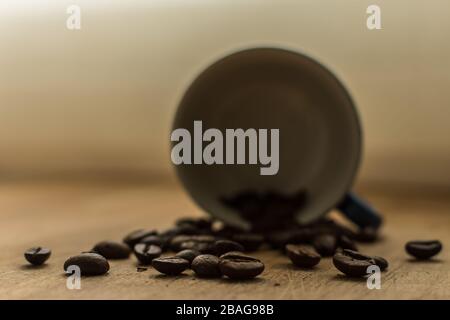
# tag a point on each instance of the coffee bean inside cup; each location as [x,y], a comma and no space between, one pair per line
[37,255]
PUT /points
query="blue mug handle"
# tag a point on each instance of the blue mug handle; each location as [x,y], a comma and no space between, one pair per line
[359,212]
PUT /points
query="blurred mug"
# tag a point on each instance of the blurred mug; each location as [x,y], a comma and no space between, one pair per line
[319,135]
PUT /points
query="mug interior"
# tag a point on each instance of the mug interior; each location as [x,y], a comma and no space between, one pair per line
[269,88]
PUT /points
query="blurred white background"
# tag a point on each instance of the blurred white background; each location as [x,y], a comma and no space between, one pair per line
[102,98]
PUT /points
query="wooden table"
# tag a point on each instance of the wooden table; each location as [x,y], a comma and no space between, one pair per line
[71,217]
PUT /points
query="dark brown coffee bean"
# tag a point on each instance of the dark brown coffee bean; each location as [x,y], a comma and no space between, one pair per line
[224,246]
[250,241]
[200,223]
[37,255]
[325,244]
[160,241]
[379,261]
[351,266]
[423,249]
[90,264]
[279,239]
[145,253]
[177,241]
[202,247]
[302,256]
[206,266]
[366,235]
[236,255]
[345,242]
[171,266]
[112,250]
[240,267]
[188,254]
[136,236]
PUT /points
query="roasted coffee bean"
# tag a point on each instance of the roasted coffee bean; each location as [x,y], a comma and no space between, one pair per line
[206,266]
[188,254]
[345,242]
[171,266]
[90,264]
[367,235]
[279,239]
[240,267]
[381,262]
[250,241]
[302,256]
[325,244]
[202,247]
[145,253]
[224,246]
[351,266]
[136,236]
[177,241]
[155,240]
[37,255]
[236,255]
[200,223]
[423,249]
[112,250]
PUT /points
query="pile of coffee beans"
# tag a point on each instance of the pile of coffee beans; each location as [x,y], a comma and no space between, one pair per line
[213,250]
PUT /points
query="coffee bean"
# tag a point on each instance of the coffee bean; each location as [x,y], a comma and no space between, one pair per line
[224,246]
[351,266]
[206,266]
[145,253]
[188,254]
[366,235]
[423,249]
[381,262]
[236,255]
[170,265]
[136,236]
[37,255]
[157,241]
[202,247]
[302,256]
[89,263]
[279,239]
[177,241]
[112,250]
[325,244]
[240,267]
[250,241]
[345,242]
[200,223]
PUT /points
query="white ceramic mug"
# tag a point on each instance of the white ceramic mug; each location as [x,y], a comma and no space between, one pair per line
[320,140]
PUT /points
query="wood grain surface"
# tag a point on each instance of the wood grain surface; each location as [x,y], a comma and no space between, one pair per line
[71,217]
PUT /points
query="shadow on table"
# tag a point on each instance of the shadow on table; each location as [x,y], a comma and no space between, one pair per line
[425,261]
[29,267]
[212,280]
[344,278]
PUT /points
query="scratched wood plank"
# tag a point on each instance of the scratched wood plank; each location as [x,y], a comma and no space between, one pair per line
[70,218]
